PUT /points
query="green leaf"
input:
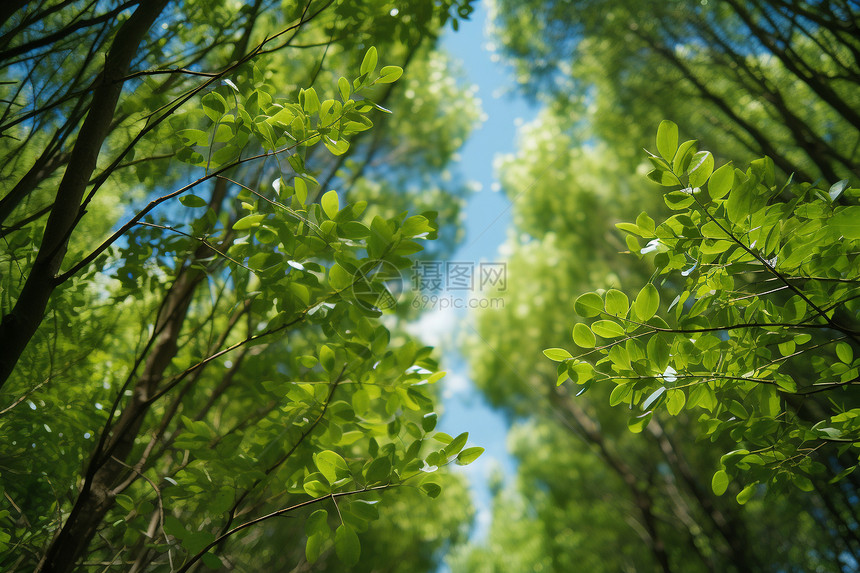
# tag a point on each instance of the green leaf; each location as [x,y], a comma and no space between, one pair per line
[667,139]
[637,424]
[721,181]
[368,64]
[338,147]
[344,88]
[675,400]
[314,547]
[837,188]
[746,493]
[195,542]
[317,524]
[588,305]
[583,337]
[802,482]
[579,371]
[211,560]
[430,489]
[664,178]
[607,329]
[193,137]
[301,189]
[650,400]
[192,201]
[843,474]
[330,204]
[389,74]
[310,101]
[174,528]
[436,376]
[379,471]
[283,117]
[456,444]
[468,456]
[331,465]
[683,156]
[557,354]
[846,222]
[677,200]
[720,482]
[617,303]
[248,222]
[646,303]
[125,502]
[620,394]
[645,224]
[366,510]
[844,352]
[214,105]
[702,167]
[346,545]
[339,278]
[314,487]
[327,358]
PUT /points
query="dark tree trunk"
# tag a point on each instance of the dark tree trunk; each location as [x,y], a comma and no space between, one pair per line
[18,327]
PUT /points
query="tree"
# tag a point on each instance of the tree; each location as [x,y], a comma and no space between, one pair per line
[191,341]
[609,71]
[766,77]
[764,329]
[645,499]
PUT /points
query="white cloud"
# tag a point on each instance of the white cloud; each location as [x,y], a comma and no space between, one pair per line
[436,326]
[454,384]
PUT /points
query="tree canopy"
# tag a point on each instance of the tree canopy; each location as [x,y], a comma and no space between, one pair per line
[207,213]
[205,205]
[598,261]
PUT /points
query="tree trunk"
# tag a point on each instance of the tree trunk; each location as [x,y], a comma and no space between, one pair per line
[19,326]
[108,468]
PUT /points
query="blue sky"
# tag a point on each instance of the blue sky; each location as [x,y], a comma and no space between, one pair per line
[487,220]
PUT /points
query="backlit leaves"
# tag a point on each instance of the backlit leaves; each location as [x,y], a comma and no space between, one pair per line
[347,545]
[729,347]
[701,167]
[646,303]
[667,139]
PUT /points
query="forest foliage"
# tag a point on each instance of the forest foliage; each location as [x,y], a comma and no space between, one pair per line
[207,207]
[205,202]
[719,325]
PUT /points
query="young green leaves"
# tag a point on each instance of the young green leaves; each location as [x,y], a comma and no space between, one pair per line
[735,344]
[230,117]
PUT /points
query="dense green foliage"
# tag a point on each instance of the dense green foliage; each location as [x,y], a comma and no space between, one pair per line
[589,490]
[207,207]
[748,79]
[205,202]
[764,77]
[763,330]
